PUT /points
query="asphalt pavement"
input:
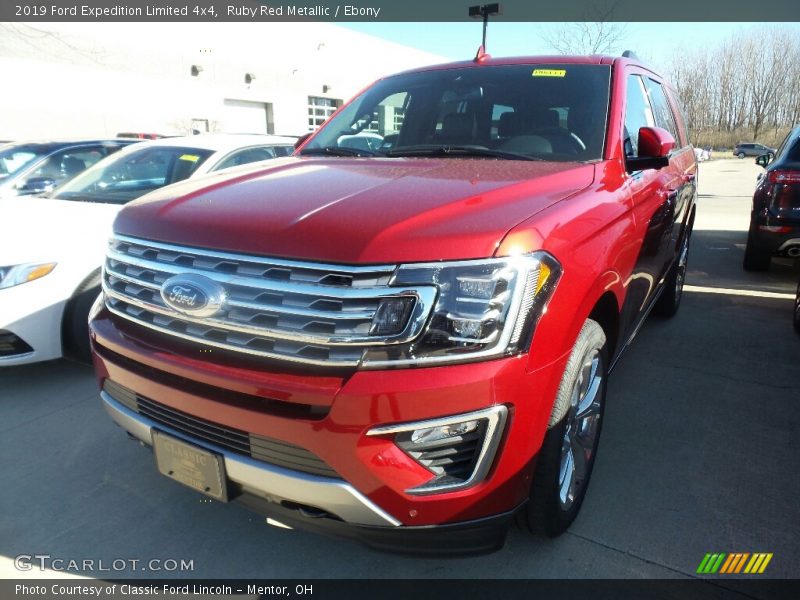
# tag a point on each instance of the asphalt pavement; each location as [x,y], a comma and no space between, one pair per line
[697,454]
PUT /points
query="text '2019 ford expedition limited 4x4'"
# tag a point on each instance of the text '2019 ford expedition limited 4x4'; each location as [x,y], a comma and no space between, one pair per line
[406,341]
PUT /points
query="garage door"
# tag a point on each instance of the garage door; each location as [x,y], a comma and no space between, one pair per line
[243,116]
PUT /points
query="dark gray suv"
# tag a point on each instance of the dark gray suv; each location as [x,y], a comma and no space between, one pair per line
[752,149]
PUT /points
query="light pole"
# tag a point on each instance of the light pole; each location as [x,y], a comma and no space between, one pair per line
[484,10]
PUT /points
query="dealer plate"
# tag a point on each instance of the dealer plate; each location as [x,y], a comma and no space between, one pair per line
[192,466]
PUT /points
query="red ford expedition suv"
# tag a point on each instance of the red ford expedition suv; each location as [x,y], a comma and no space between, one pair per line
[406,341]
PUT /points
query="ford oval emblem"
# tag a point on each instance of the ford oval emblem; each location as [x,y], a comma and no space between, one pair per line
[193,295]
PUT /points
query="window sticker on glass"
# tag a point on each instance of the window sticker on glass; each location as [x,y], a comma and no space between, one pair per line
[549,72]
[190,157]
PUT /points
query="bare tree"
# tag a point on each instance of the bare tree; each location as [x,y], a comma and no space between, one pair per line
[597,37]
[598,33]
[747,88]
[46,42]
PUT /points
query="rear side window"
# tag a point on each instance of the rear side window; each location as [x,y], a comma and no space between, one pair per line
[793,155]
[680,116]
[69,163]
[127,176]
[638,114]
[661,108]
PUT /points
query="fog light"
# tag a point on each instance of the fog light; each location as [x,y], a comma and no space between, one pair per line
[392,316]
[458,450]
[432,434]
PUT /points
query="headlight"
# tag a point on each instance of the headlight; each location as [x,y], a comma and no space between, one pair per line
[17,274]
[485,308]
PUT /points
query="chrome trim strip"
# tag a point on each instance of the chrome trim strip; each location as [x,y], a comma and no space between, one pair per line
[496,417]
[280,287]
[336,497]
[156,287]
[342,315]
[252,258]
[412,330]
[233,348]
[788,243]
[11,357]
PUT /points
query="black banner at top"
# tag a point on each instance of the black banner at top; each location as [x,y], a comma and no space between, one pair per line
[396,10]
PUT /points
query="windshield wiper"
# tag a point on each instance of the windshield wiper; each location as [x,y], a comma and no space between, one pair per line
[336,151]
[456,151]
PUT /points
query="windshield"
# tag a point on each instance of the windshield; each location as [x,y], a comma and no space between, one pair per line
[546,112]
[128,175]
[16,158]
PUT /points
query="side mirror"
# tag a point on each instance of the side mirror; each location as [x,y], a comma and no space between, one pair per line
[763,160]
[36,185]
[655,144]
[302,139]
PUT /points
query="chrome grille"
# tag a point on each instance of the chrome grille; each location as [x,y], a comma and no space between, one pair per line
[289,310]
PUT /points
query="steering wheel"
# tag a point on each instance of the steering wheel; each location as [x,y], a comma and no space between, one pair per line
[566,137]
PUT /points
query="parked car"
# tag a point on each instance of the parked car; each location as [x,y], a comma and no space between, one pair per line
[407,345]
[775,212]
[702,154]
[751,149]
[36,167]
[53,247]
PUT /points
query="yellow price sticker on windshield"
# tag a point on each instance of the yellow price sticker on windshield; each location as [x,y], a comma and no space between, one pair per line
[190,157]
[549,72]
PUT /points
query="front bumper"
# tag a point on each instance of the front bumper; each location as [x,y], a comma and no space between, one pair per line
[371,500]
[776,242]
[280,495]
[30,318]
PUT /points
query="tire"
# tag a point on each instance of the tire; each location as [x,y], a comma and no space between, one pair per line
[740,155]
[74,326]
[755,258]
[796,318]
[670,301]
[556,498]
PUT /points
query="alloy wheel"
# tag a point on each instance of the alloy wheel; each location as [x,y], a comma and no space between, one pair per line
[582,427]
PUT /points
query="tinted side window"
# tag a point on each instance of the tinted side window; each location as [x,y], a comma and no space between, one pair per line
[69,163]
[679,113]
[245,156]
[638,114]
[782,147]
[793,155]
[661,108]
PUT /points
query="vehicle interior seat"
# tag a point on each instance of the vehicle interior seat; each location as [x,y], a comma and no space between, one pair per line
[527,144]
[71,166]
[457,128]
[547,123]
[510,124]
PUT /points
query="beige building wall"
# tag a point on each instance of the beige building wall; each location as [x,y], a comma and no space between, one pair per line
[91,79]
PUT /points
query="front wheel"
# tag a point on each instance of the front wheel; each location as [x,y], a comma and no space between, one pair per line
[740,155]
[75,328]
[568,452]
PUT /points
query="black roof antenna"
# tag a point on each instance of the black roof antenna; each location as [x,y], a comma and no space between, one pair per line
[484,11]
[630,54]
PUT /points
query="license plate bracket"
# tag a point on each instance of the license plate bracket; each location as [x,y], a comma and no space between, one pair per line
[193,466]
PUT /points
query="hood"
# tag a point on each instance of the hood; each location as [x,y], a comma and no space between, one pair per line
[356,210]
[45,230]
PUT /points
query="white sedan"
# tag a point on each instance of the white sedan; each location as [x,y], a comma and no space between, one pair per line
[52,248]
